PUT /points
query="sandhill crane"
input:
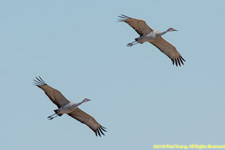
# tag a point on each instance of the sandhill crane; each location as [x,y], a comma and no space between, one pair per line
[153,36]
[68,107]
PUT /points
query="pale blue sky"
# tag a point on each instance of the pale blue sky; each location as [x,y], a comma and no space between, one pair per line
[79,48]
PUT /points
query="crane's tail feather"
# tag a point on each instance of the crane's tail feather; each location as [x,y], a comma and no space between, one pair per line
[57,112]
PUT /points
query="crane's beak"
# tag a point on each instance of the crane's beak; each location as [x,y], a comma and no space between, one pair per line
[174,30]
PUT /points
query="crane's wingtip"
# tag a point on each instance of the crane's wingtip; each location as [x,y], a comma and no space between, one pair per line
[38,81]
[100,131]
[123,18]
[179,61]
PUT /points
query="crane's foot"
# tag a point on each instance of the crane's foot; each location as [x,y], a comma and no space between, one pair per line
[130,44]
[50,118]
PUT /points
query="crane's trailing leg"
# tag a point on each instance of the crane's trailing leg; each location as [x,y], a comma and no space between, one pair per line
[132,43]
[56,114]
[52,116]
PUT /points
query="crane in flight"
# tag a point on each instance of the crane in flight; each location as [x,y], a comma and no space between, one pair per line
[154,37]
[68,107]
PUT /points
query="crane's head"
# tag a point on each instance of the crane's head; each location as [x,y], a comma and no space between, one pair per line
[86,100]
[171,29]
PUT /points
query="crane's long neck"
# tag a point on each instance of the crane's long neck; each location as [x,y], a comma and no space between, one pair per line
[161,33]
[80,103]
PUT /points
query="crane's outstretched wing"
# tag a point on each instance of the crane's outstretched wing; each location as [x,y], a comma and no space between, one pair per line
[169,50]
[139,26]
[54,95]
[85,118]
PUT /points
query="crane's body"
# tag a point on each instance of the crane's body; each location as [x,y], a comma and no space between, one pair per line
[68,108]
[154,37]
[150,37]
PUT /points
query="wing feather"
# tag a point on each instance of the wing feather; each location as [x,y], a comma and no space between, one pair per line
[169,50]
[87,119]
[138,25]
[54,95]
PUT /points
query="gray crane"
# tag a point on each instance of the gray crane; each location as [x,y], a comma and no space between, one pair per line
[154,37]
[68,107]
